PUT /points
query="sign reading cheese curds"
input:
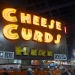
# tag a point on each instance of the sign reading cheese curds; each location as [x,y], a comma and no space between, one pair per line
[30,36]
[27,34]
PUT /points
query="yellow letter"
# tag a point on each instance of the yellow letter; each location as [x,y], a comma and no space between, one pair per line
[48,37]
[34,52]
[51,26]
[36,20]
[26,34]
[25,18]
[43,22]
[58,39]
[42,53]
[7,14]
[58,25]
[38,36]
[7,31]
[49,53]
[20,50]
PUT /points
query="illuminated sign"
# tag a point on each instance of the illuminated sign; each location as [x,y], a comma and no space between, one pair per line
[29,35]
[9,15]
[33,52]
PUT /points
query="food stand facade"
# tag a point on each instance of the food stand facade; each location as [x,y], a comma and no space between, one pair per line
[31,36]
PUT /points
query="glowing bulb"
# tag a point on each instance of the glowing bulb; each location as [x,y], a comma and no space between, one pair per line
[26,34]
[51,26]
[7,31]
[48,37]
[58,39]
[6,13]
[25,18]
[43,22]
[36,20]
[58,25]
[38,36]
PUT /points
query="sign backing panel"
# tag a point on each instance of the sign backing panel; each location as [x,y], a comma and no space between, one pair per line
[36,28]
